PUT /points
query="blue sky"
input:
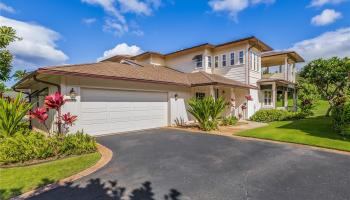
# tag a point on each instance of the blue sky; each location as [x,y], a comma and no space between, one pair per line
[80,31]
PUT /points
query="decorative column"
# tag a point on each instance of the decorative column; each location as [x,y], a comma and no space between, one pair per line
[286,68]
[286,97]
[274,94]
[211,91]
[233,102]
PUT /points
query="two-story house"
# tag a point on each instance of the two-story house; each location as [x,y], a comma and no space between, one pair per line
[149,90]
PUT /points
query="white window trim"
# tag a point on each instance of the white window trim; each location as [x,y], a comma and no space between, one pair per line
[239,60]
[222,60]
[234,59]
[209,62]
[263,103]
[196,67]
[216,61]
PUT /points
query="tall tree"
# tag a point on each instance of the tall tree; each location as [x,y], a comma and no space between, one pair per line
[7,35]
[330,76]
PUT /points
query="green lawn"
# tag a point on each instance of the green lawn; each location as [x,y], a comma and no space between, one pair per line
[314,131]
[17,180]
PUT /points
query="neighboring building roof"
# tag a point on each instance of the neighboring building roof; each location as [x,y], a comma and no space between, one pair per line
[251,39]
[294,55]
[135,71]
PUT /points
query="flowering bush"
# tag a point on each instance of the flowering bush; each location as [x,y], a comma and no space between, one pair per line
[69,119]
[249,98]
[54,101]
[39,114]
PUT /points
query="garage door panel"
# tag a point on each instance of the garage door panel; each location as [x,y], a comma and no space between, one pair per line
[109,111]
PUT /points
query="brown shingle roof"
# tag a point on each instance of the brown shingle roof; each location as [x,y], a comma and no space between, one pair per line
[135,71]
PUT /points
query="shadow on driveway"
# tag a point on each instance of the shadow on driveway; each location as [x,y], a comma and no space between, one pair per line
[97,189]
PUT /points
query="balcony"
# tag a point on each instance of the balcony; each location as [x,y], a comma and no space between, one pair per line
[273,75]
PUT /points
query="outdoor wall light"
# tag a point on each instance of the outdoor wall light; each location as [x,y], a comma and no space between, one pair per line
[176,96]
[72,94]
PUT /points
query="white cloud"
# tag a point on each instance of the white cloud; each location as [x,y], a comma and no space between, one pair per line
[121,49]
[37,47]
[117,9]
[326,45]
[319,3]
[328,16]
[233,7]
[114,27]
[108,6]
[89,21]
[135,6]
[138,33]
[6,8]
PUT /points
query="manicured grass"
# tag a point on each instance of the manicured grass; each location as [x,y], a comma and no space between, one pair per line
[314,131]
[17,180]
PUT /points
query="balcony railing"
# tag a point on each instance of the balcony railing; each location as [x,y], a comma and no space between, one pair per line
[274,75]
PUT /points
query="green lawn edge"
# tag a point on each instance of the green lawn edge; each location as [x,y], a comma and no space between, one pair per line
[313,131]
[17,180]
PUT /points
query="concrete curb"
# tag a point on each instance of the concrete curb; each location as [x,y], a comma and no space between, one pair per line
[106,156]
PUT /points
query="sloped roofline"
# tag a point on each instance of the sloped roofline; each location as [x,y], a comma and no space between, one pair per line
[252,39]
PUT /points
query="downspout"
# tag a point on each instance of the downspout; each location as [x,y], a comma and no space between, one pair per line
[58,89]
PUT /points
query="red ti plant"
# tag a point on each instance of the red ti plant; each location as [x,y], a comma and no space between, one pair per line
[68,120]
[41,115]
[55,101]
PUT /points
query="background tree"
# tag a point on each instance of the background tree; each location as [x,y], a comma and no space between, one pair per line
[19,74]
[7,35]
[329,76]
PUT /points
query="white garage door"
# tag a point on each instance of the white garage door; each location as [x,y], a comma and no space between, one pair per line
[110,111]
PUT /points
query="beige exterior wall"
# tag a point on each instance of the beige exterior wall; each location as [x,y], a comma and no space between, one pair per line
[184,63]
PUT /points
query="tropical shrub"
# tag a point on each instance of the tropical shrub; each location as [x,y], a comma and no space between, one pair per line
[341,115]
[276,115]
[307,96]
[12,112]
[76,144]
[207,111]
[229,121]
[36,146]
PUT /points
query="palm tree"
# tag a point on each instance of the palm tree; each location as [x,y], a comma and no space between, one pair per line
[19,74]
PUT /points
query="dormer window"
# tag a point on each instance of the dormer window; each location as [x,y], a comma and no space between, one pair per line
[198,59]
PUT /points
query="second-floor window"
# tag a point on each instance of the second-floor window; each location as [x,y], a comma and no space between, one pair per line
[216,61]
[232,58]
[224,60]
[241,57]
[209,61]
[198,59]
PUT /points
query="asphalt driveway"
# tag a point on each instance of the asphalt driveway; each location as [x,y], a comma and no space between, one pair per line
[167,164]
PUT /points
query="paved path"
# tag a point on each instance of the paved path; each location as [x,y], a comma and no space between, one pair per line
[169,164]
